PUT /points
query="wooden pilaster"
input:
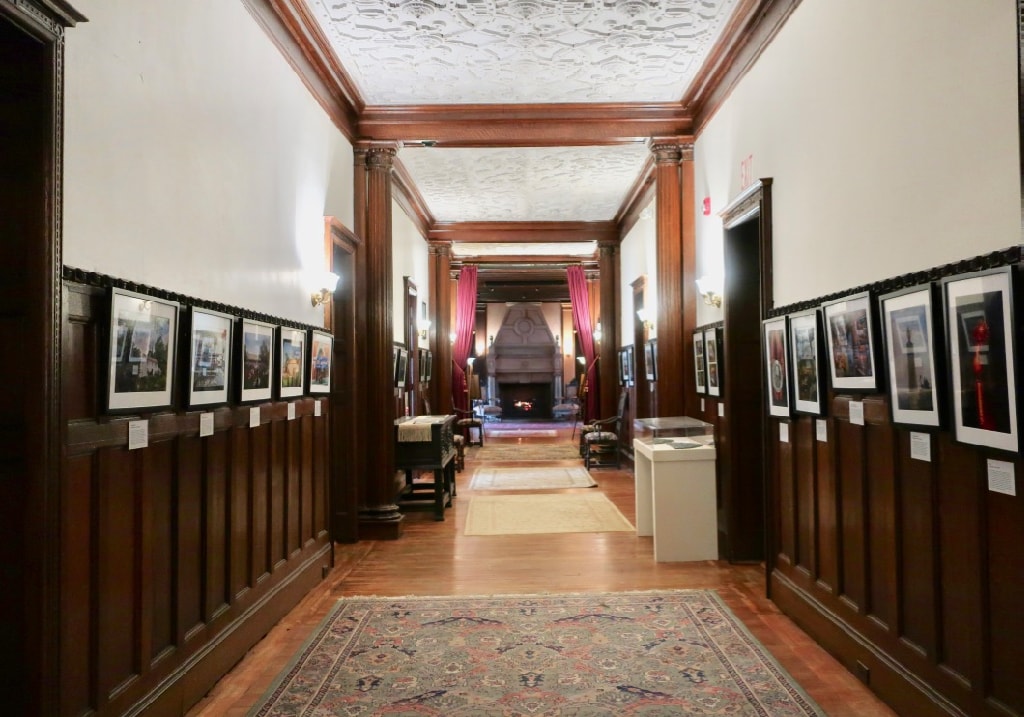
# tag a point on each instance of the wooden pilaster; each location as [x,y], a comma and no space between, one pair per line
[441,310]
[379,517]
[608,263]
[676,254]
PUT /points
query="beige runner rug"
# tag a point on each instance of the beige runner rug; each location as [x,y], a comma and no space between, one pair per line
[522,433]
[531,478]
[544,513]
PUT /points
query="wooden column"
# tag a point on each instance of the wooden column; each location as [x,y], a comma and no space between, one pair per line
[608,263]
[379,517]
[441,309]
[676,256]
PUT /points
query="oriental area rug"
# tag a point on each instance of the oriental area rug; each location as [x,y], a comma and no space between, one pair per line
[543,513]
[643,653]
[526,452]
[531,478]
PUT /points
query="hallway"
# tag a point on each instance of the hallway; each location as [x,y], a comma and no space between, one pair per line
[435,558]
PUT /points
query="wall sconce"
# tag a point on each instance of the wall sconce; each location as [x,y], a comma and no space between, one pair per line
[328,283]
[598,333]
[711,289]
[647,321]
[423,326]
[451,337]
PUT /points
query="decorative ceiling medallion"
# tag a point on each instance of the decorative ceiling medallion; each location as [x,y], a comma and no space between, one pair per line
[539,183]
[521,51]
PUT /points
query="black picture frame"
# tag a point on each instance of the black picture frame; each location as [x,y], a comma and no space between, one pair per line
[651,359]
[850,330]
[320,366]
[807,363]
[913,349]
[630,365]
[401,366]
[208,346]
[775,342]
[142,343]
[700,368]
[255,359]
[713,360]
[623,367]
[291,362]
[981,353]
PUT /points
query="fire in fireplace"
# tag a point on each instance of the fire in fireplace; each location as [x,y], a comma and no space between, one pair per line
[525,400]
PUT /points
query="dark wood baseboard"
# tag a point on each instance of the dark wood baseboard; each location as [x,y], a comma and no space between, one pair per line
[190,683]
[370,529]
[901,689]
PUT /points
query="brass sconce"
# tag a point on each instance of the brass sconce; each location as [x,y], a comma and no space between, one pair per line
[324,294]
[711,289]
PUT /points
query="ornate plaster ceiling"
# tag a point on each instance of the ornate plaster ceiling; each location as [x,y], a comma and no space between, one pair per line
[524,183]
[409,52]
[429,54]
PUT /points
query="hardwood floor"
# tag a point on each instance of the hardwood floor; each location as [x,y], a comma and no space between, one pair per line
[435,558]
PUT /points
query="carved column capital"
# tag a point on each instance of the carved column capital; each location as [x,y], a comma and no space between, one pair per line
[376,155]
[671,150]
[439,248]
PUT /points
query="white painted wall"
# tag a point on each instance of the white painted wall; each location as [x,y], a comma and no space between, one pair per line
[409,258]
[195,159]
[890,130]
[637,256]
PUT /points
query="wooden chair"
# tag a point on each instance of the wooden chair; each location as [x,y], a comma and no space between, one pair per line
[601,442]
[466,422]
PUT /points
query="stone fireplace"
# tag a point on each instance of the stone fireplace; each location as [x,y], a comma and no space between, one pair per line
[524,364]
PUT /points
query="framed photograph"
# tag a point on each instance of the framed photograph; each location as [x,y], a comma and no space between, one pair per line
[713,360]
[806,369]
[401,366]
[911,330]
[651,359]
[291,352]
[429,371]
[850,338]
[982,358]
[321,361]
[699,366]
[776,361]
[255,361]
[209,357]
[630,366]
[143,337]
[623,367]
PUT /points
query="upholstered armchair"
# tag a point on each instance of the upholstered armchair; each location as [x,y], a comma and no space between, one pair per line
[599,440]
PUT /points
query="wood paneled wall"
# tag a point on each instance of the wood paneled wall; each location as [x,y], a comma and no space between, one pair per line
[177,557]
[910,571]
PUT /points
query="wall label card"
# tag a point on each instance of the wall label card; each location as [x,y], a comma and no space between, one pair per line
[205,424]
[702,404]
[783,432]
[857,413]
[920,446]
[254,417]
[138,434]
[1000,477]
[721,410]
[821,430]
[291,411]
[316,408]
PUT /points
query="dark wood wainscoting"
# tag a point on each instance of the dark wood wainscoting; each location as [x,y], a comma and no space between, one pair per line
[178,557]
[909,571]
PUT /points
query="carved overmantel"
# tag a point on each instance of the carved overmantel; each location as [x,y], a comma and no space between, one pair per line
[524,349]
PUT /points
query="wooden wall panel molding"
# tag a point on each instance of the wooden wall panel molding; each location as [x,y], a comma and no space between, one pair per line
[917,583]
[523,232]
[177,557]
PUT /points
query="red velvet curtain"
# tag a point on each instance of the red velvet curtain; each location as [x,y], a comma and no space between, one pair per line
[465,319]
[580,299]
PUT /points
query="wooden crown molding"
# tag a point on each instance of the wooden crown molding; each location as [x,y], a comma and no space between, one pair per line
[410,200]
[522,232]
[753,26]
[638,197]
[294,31]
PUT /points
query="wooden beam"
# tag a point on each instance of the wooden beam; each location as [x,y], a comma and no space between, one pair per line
[522,232]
